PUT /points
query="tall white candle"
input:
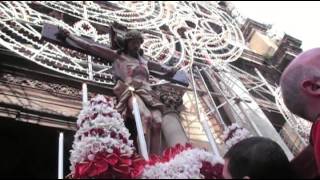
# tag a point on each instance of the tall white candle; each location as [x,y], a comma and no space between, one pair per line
[84,94]
[142,140]
[60,157]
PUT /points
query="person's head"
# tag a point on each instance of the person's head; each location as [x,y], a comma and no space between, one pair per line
[132,42]
[256,157]
[300,85]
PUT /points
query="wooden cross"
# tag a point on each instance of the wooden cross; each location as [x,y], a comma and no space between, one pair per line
[50,32]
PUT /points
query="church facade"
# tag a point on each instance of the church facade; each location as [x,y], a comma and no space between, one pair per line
[41,83]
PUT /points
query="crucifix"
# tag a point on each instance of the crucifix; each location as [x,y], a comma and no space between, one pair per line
[131,71]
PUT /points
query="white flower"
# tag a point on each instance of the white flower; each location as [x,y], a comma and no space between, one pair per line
[91,157]
[110,151]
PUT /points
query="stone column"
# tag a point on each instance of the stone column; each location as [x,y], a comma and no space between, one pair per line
[172,129]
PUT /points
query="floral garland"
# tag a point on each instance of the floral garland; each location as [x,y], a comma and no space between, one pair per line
[102,148]
[233,134]
[184,163]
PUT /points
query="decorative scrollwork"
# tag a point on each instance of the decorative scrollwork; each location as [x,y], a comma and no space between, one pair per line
[176,33]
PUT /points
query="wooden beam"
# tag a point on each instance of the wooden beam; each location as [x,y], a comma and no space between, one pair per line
[50,33]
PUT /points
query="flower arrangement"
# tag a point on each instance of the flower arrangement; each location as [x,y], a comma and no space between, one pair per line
[184,162]
[235,133]
[101,147]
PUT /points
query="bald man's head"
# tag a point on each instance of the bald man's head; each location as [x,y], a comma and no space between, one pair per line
[299,84]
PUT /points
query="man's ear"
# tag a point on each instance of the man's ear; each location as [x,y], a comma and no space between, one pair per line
[311,87]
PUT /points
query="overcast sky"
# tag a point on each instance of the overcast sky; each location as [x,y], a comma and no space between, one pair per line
[298,19]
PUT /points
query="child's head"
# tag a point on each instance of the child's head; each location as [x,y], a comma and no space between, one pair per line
[256,157]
